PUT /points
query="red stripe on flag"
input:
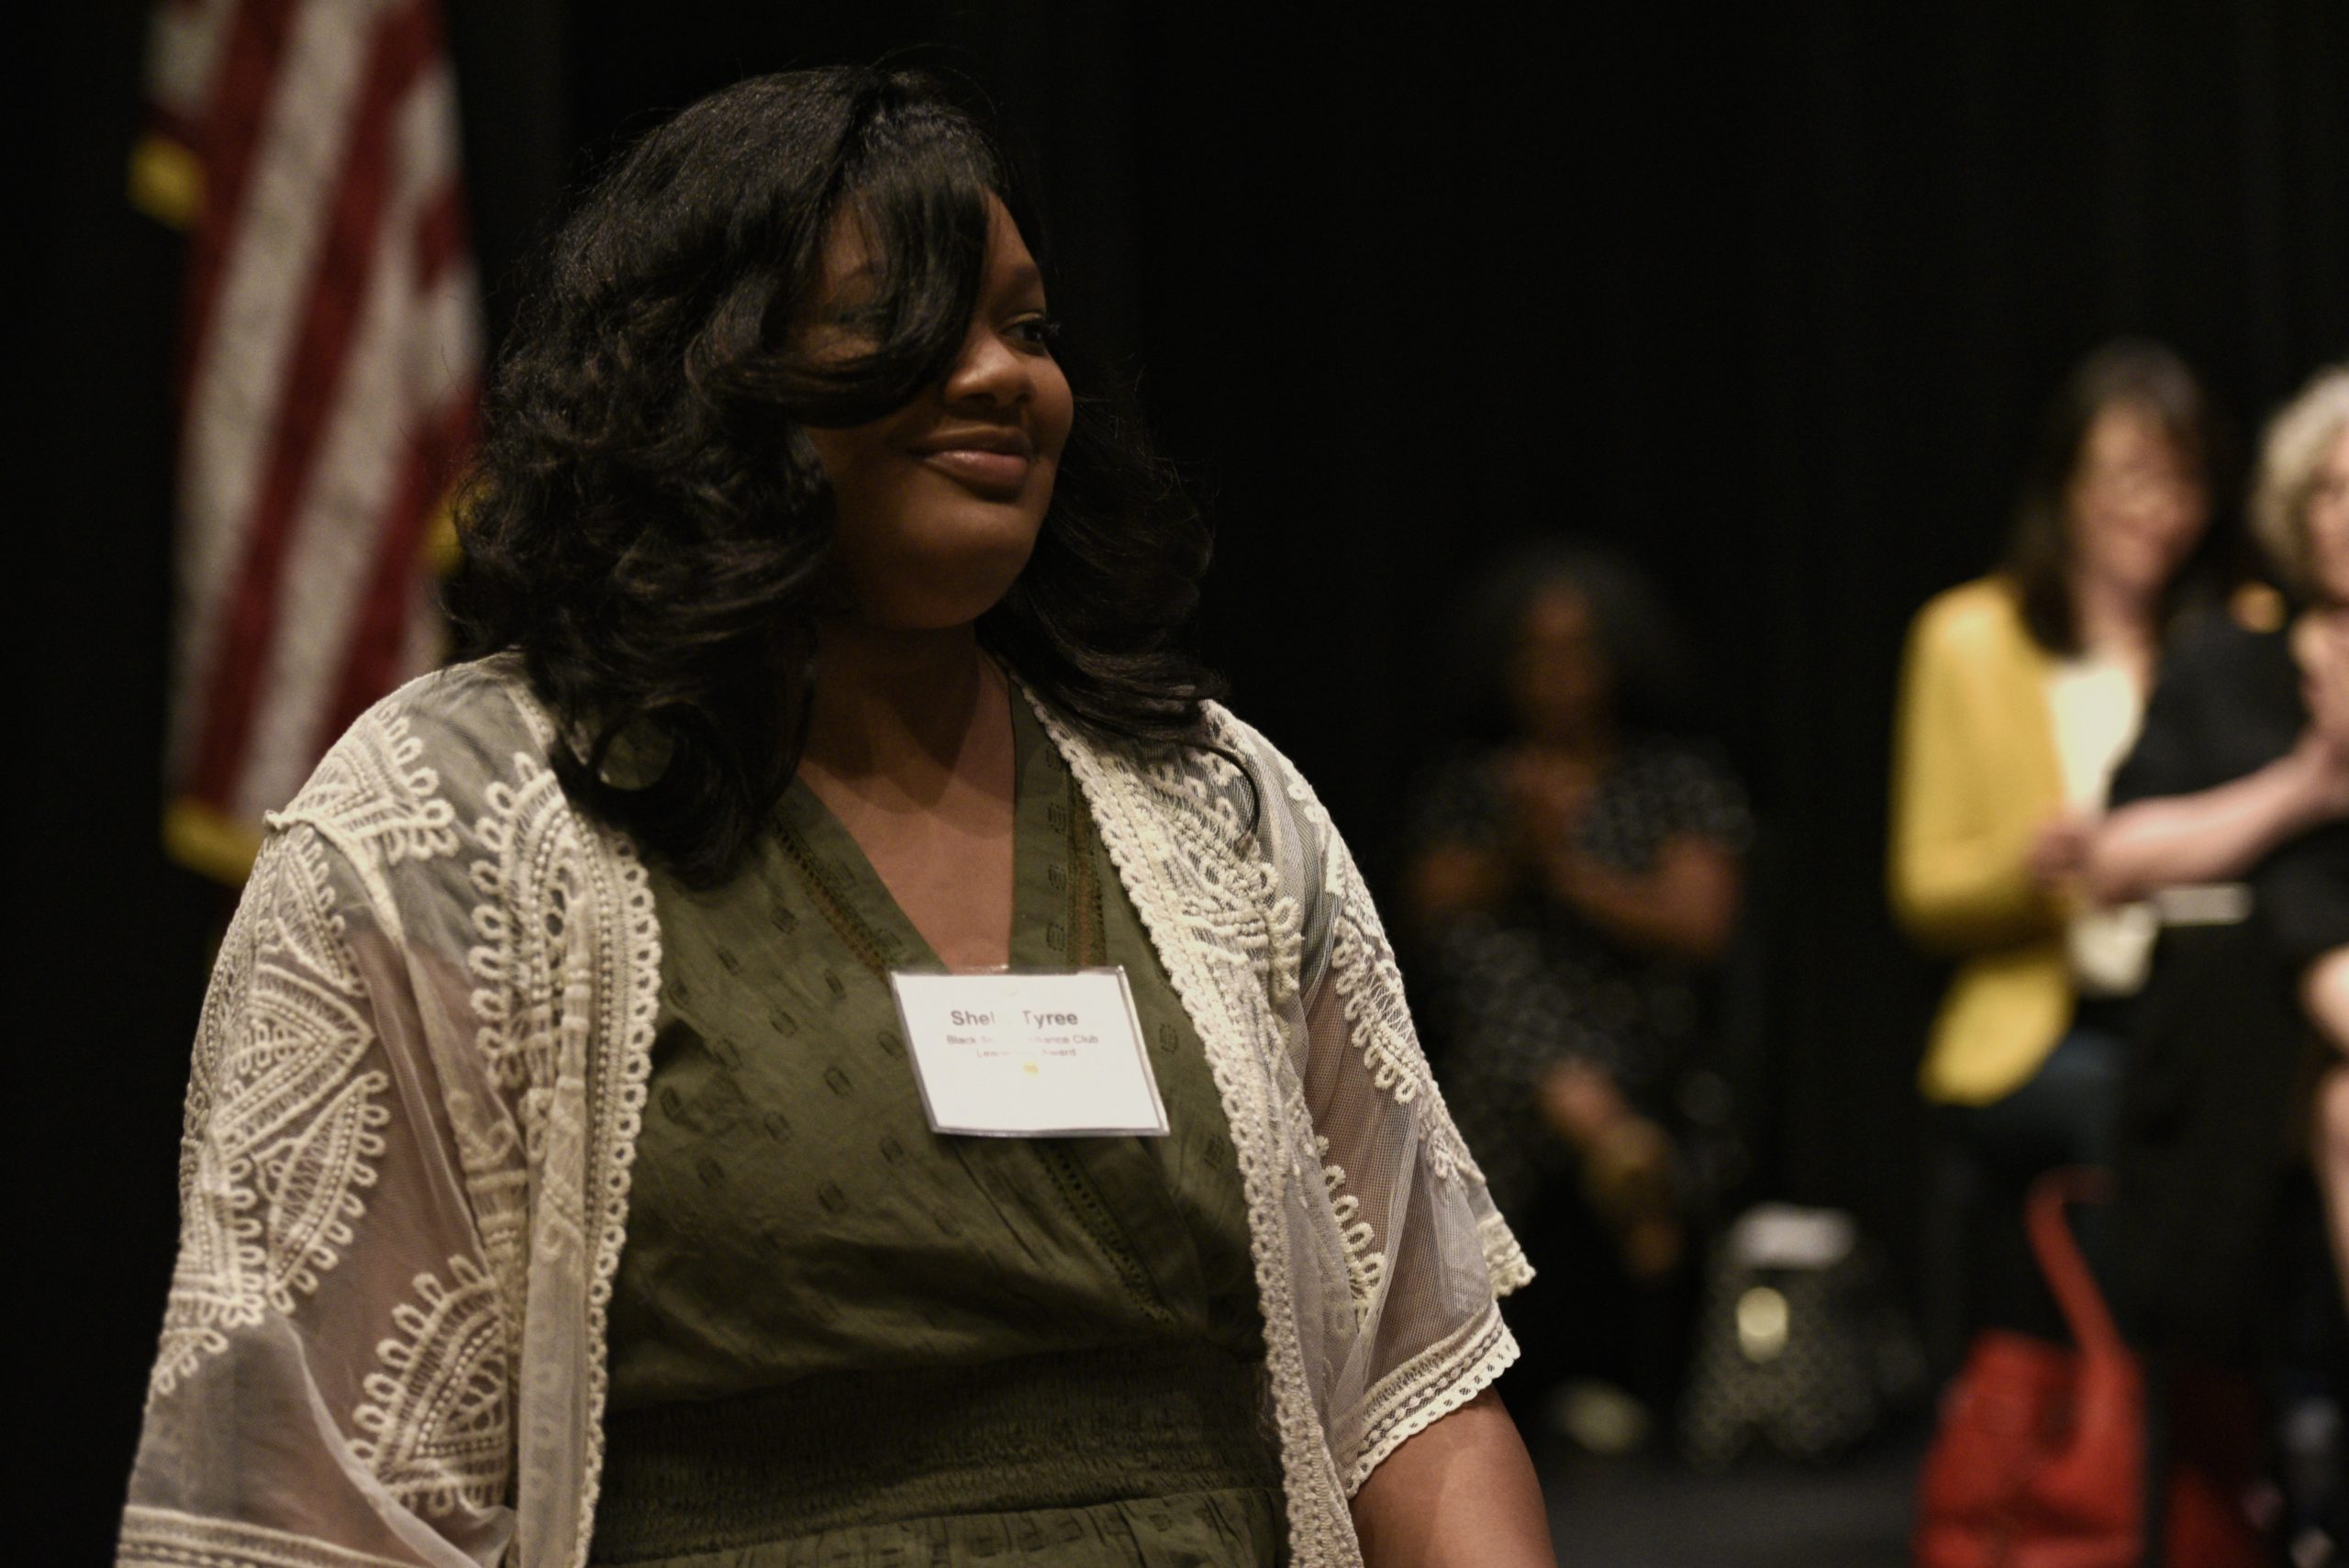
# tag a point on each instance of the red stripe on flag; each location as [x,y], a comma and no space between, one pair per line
[242,86]
[379,636]
[406,42]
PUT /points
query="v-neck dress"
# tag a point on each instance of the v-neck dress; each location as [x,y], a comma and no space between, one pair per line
[838,1337]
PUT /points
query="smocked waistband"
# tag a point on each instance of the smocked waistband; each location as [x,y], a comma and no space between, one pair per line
[844,1448]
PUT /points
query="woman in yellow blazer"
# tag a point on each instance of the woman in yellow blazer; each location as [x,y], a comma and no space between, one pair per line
[2019,694]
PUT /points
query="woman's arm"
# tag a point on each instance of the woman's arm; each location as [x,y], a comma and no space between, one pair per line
[1403,1360]
[2219,833]
[1462,1491]
[1967,868]
[1683,906]
[2324,992]
[1449,880]
[331,1269]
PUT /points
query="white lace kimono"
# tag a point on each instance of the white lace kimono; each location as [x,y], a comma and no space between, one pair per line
[405,1170]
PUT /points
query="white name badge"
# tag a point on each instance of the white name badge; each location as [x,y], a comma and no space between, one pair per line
[1029,1054]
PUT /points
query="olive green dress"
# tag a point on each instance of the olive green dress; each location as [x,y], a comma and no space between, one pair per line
[838,1337]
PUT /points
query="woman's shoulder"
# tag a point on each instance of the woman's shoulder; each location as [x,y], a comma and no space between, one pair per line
[1228,773]
[1986,613]
[1269,767]
[424,758]
[481,703]
[2246,635]
[2224,677]
[1223,753]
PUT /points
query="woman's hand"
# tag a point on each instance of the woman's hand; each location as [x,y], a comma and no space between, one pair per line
[1548,794]
[1683,906]
[1543,797]
[2321,648]
[2324,992]
[2319,763]
[1580,1101]
[1627,1165]
[2058,853]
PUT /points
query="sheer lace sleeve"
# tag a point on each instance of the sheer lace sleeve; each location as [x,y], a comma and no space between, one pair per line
[1379,1256]
[1427,1254]
[403,1174]
[331,1388]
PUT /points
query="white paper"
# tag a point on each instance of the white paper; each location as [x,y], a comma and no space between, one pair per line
[1029,1053]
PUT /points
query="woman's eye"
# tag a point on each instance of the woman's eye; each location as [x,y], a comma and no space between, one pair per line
[1038,332]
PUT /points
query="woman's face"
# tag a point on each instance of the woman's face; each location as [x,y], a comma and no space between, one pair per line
[2136,503]
[2328,521]
[939,502]
[1559,681]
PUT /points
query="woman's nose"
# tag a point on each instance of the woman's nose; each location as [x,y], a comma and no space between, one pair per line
[988,372]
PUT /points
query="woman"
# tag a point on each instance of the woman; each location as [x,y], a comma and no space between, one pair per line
[1575,877]
[558,1186]
[2019,694]
[2230,810]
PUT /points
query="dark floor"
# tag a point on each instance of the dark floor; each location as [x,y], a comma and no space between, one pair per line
[1657,1513]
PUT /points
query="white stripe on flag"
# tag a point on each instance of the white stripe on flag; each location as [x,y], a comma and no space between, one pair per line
[338,527]
[444,346]
[379,411]
[236,393]
[183,52]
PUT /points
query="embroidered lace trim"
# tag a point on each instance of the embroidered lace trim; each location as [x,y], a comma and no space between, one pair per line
[435,1414]
[1363,972]
[630,992]
[282,1126]
[548,862]
[370,796]
[1504,1260]
[1431,1386]
[1204,907]
[1365,1268]
[162,1537]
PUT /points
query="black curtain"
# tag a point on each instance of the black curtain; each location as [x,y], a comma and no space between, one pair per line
[1768,302]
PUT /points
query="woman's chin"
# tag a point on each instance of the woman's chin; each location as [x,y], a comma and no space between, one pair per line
[952,597]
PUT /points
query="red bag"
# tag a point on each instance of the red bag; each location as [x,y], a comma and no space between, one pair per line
[2039,1459]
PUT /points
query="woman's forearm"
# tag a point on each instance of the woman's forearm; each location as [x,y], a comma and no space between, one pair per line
[1685,906]
[1461,1493]
[2211,836]
[1448,881]
[2324,993]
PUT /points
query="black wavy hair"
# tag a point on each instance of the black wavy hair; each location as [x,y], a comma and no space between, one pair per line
[2125,372]
[649,527]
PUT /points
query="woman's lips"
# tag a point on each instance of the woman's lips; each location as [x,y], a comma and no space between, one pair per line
[999,476]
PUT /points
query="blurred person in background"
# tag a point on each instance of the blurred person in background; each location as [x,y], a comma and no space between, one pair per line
[1575,873]
[2243,770]
[2020,693]
[2233,814]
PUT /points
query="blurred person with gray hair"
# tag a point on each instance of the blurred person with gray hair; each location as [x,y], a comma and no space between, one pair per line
[2240,781]
[2230,816]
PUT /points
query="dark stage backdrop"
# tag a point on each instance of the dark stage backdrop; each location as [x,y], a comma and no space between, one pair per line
[1768,303]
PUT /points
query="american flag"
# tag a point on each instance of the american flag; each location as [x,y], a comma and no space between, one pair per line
[327,380]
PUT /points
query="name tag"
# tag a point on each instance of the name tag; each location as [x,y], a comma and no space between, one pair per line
[1053,1054]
